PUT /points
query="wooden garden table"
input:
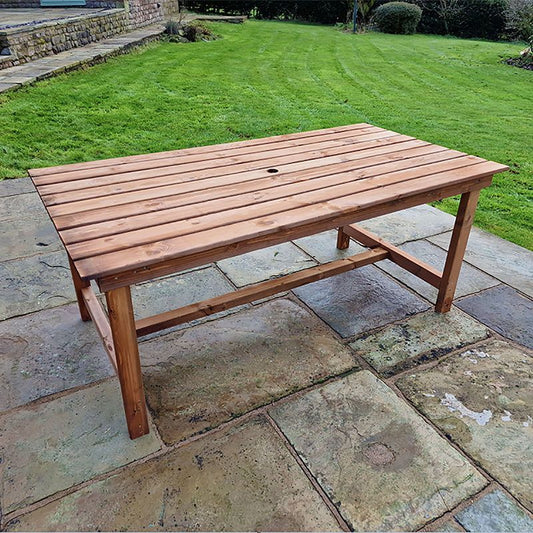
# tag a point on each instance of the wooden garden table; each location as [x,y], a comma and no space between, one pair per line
[133,219]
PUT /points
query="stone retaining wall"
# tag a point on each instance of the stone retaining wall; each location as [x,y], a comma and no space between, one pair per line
[33,42]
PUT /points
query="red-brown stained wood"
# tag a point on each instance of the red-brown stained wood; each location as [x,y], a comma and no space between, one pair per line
[256,292]
[57,173]
[456,250]
[122,324]
[79,285]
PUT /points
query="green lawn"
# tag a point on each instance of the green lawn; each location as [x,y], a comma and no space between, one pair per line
[265,78]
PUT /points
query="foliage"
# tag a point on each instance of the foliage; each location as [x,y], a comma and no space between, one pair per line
[198,31]
[463,18]
[172,27]
[397,17]
[267,78]
[322,11]
[519,19]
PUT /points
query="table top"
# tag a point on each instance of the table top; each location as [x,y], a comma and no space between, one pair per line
[192,206]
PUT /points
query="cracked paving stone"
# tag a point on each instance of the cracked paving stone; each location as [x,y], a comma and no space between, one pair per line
[199,377]
[243,479]
[47,352]
[502,259]
[410,224]
[495,512]
[11,187]
[359,300]
[470,279]
[54,445]
[261,265]
[481,399]
[418,339]
[505,311]
[448,526]
[323,247]
[34,283]
[376,458]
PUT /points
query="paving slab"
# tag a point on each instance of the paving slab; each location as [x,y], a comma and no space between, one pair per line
[19,206]
[502,259]
[263,264]
[172,292]
[419,339]
[47,352]
[11,187]
[54,445]
[34,283]
[377,459]
[495,512]
[448,526]
[241,480]
[359,300]
[323,247]
[471,280]
[504,310]
[481,399]
[199,377]
[410,224]
[23,236]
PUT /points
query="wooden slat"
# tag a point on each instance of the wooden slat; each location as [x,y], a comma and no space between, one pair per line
[170,266]
[417,267]
[285,199]
[83,212]
[101,322]
[145,255]
[173,176]
[53,174]
[254,192]
[256,292]
[121,174]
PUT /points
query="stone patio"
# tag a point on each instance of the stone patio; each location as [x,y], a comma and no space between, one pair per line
[347,404]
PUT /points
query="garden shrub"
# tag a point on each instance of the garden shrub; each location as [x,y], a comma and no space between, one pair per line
[397,17]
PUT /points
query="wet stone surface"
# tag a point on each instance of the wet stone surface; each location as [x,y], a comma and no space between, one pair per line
[323,247]
[263,264]
[470,279]
[418,339]
[505,311]
[197,378]
[502,259]
[385,468]
[11,187]
[243,479]
[177,291]
[410,224]
[495,512]
[34,283]
[25,228]
[47,352]
[57,444]
[481,398]
[359,300]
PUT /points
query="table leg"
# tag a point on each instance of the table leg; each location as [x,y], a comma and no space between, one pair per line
[78,285]
[343,240]
[122,324]
[456,250]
